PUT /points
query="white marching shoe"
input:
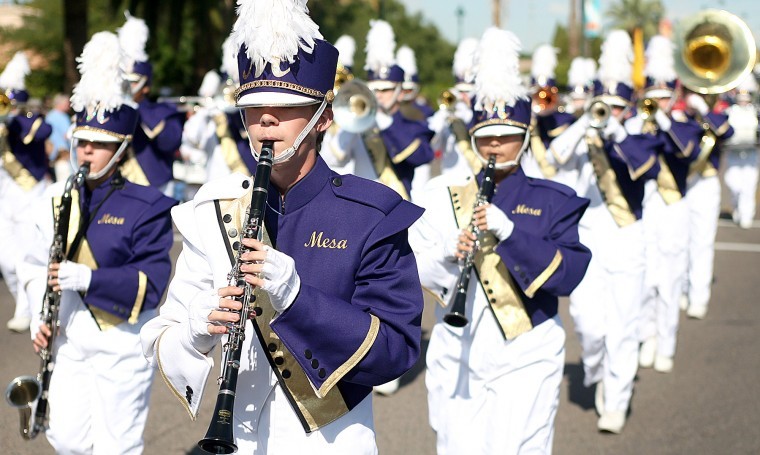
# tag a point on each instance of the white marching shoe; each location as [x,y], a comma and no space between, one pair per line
[611,422]
[663,364]
[697,311]
[389,388]
[647,352]
[19,324]
[683,302]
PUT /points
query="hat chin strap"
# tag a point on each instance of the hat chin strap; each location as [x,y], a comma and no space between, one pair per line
[111,163]
[396,93]
[290,151]
[508,164]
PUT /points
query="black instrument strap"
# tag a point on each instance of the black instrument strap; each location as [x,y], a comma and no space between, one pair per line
[116,183]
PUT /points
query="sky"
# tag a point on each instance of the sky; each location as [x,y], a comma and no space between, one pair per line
[534,21]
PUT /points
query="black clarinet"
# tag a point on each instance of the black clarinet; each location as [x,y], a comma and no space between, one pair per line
[456,317]
[23,390]
[220,437]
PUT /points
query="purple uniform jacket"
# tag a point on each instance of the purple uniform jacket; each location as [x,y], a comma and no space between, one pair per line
[240,135]
[408,145]
[545,216]
[552,125]
[348,237]
[634,161]
[26,139]
[157,139]
[130,236]
[686,136]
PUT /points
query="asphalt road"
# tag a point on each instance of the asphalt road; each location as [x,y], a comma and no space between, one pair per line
[709,404]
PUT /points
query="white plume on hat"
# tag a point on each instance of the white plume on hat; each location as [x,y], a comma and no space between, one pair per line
[14,75]
[590,68]
[498,82]
[274,31]
[101,88]
[578,74]
[229,60]
[464,59]
[407,61]
[210,84]
[616,61]
[543,63]
[381,41]
[346,46]
[133,36]
[748,84]
[660,64]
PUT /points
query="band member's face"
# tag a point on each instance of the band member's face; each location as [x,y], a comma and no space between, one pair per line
[98,154]
[283,125]
[505,148]
[386,98]
[663,104]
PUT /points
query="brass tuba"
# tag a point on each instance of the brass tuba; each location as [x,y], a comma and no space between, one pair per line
[714,51]
[354,107]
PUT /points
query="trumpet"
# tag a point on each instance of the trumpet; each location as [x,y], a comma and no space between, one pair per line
[545,98]
[23,391]
[5,106]
[599,112]
[447,100]
[219,437]
[456,317]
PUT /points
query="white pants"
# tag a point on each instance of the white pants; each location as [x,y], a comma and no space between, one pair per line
[666,266]
[703,200]
[99,393]
[514,410]
[741,180]
[16,233]
[605,308]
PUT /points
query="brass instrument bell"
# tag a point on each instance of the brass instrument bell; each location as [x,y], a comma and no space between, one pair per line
[714,51]
[354,106]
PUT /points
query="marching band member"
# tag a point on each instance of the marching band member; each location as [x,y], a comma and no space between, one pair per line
[547,122]
[741,163]
[159,133]
[321,336]
[580,79]
[698,134]
[198,138]
[398,145]
[610,167]
[342,150]
[665,216]
[410,107]
[493,385]
[450,121]
[116,271]
[23,178]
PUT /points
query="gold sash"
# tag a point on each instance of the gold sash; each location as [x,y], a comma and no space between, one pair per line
[313,410]
[18,172]
[83,255]
[666,183]
[495,280]
[228,146]
[459,130]
[607,182]
[382,163]
[539,151]
[132,171]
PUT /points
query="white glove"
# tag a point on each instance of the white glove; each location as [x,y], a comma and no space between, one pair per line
[198,313]
[73,276]
[697,103]
[438,121]
[662,119]
[498,223]
[384,121]
[614,131]
[281,281]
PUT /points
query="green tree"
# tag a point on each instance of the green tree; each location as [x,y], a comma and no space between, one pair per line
[631,14]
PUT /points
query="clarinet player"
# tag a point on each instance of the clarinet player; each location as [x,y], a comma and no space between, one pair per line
[338,305]
[116,269]
[493,384]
